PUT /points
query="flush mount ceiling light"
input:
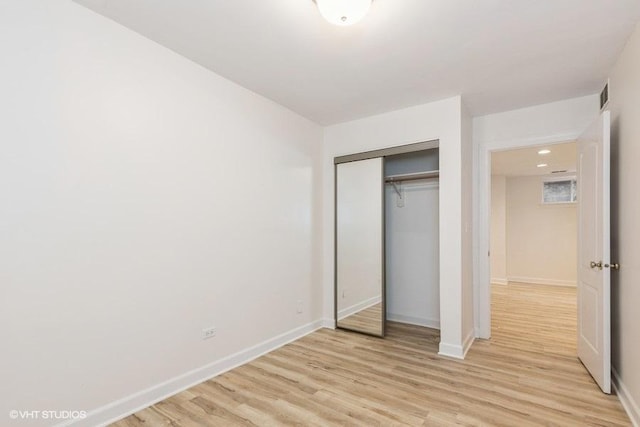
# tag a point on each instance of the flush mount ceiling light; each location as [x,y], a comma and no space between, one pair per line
[542,165]
[545,151]
[343,12]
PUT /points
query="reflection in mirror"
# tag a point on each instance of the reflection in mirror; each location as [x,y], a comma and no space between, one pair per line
[359,246]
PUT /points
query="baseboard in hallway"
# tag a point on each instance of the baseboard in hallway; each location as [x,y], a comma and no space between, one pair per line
[541,281]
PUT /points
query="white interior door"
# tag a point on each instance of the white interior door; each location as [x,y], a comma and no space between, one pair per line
[594,274]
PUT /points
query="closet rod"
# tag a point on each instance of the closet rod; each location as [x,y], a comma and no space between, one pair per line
[412,176]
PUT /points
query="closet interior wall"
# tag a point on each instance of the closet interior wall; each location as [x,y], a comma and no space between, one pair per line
[412,241]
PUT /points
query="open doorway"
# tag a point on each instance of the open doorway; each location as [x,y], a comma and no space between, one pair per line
[533,241]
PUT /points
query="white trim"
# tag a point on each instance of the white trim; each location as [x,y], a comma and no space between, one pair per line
[362,305]
[502,145]
[468,342]
[475,247]
[451,350]
[329,323]
[128,405]
[458,351]
[630,406]
[542,281]
[411,320]
[482,282]
[499,281]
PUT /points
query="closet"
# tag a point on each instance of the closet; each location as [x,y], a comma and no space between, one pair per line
[387,238]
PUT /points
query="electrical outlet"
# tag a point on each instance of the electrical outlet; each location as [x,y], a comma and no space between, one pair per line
[208,333]
[299,306]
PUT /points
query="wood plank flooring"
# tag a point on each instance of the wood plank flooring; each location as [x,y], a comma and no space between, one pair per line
[536,317]
[347,379]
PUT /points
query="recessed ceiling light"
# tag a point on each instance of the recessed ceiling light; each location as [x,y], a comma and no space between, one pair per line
[544,151]
[542,165]
[343,12]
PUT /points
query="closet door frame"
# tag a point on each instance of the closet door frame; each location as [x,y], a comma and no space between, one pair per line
[382,153]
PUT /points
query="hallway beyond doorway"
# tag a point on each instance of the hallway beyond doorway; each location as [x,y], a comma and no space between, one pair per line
[533,317]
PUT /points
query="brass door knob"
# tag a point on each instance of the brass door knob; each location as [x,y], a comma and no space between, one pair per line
[613,266]
[594,264]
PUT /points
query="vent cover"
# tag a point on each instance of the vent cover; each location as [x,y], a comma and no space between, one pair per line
[604,97]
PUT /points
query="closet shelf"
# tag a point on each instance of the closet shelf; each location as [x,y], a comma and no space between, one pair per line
[412,176]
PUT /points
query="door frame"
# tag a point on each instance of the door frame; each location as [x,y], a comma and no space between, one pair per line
[482,264]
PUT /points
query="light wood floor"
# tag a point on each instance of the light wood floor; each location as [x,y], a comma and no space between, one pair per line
[536,317]
[368,320]
[344,378]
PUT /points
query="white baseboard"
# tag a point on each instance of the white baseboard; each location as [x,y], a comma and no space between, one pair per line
[345,312]
[542,281]
[478,334]
[121,408]
[329,323]
[411,320]
[629,405]
[468,342]
[451,350]
[499,281]
[457,351]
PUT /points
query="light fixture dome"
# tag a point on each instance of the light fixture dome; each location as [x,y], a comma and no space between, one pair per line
[343,12]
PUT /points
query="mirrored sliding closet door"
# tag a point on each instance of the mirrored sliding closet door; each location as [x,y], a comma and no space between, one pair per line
[360,246]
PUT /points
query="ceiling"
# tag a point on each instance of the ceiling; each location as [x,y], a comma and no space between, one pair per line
[499,54]
[524,161]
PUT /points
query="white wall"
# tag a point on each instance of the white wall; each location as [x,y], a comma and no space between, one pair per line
[541,239]
[625,232]
[498,230]
[412,254]
[144,198]
[438,120]
[552,123]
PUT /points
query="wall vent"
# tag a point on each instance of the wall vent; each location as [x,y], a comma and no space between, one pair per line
[604,97]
